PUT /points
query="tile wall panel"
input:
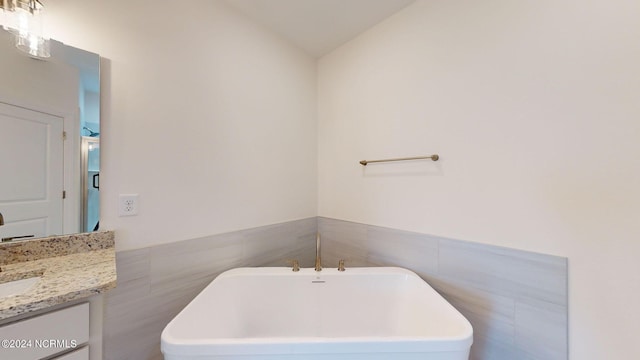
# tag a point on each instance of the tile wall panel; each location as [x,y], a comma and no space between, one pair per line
[515,300]
[156,283]
[343,240]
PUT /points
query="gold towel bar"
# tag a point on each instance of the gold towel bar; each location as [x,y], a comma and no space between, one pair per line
[434,157]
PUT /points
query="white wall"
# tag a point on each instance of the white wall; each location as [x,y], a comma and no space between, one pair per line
[205,115]
[533,107]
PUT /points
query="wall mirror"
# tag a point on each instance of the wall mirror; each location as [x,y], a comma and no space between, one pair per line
[49,141]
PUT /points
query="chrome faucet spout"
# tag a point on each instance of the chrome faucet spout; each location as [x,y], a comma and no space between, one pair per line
[318,261]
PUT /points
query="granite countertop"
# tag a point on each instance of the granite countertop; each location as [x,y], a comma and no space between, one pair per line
[71,267]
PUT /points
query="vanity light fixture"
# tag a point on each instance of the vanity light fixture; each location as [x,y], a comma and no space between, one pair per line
[24,20]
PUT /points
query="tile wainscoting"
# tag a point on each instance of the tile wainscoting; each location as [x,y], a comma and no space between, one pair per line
[156,283]
[515,300]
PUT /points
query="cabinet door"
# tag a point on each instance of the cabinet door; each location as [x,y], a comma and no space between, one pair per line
[80,354]
[46,335]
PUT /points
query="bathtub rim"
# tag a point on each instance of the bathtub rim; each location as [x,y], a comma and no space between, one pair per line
[171,345]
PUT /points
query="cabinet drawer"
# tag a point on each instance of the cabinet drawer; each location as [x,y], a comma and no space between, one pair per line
[45,335]
[80,354]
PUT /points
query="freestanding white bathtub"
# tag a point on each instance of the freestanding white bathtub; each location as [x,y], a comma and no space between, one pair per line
[276,314]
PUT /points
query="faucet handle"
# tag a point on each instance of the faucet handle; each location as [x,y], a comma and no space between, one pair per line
[294,264]
[341,265]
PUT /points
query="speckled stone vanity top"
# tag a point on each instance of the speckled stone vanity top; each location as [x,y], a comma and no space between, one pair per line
[71,267]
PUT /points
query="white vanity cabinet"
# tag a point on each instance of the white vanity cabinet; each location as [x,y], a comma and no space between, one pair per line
[64,331]
[61,316]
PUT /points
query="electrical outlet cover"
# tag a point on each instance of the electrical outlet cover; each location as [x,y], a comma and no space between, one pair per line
[128,205]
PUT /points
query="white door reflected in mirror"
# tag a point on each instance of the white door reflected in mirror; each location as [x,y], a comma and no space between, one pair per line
[31,188]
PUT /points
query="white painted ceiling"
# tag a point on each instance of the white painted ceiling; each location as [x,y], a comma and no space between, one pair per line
[319,26]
